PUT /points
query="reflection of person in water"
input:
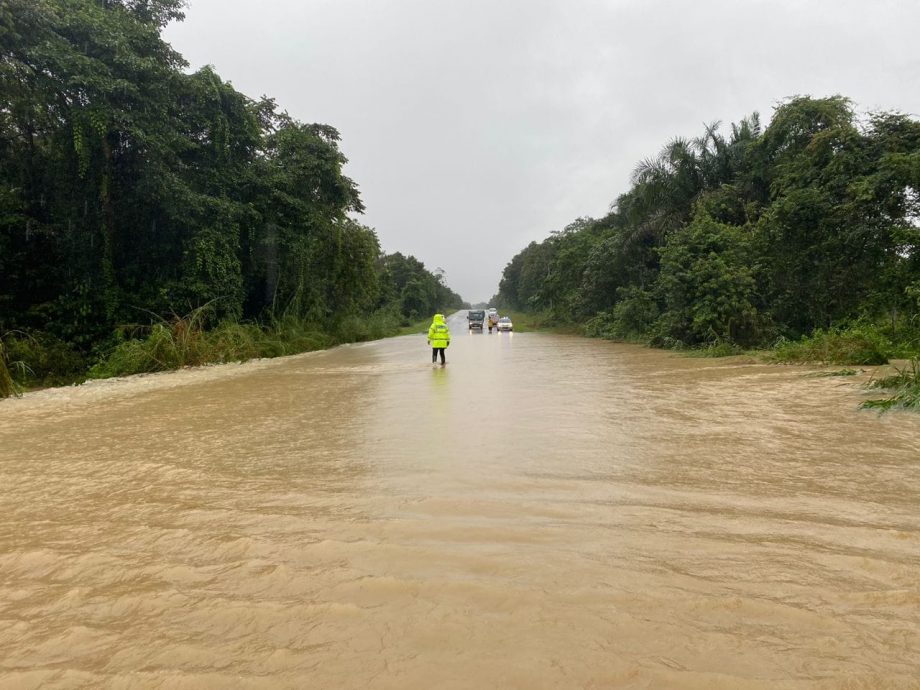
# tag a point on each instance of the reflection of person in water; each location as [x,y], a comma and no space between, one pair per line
[438,338]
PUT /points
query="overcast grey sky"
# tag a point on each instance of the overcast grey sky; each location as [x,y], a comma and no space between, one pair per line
[475,126]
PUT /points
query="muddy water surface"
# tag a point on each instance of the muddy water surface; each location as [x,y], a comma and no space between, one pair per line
[544,512]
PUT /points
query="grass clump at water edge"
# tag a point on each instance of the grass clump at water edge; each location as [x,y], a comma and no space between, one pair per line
[904,386]
[716,350]
[30,361]
[36,361]
[168,344]
[185,341]
[837,373]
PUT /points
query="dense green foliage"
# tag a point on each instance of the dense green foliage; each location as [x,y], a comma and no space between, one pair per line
[750,238]
[131,191]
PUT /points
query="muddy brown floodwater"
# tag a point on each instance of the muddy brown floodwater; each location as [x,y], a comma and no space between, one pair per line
[544,512]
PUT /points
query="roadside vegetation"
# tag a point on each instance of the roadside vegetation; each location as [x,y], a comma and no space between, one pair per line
[529,321]
[800,238]
[902,389]
[864,343]
[152,218]
[184,341]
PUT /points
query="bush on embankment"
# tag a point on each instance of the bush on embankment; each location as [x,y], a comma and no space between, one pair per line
[40,360]
[863,342]
[184,341]
[857,344]
[36,361]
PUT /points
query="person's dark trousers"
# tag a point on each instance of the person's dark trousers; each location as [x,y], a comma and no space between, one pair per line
[434,354]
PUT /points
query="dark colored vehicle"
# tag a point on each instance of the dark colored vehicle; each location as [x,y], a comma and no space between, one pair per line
[475,319]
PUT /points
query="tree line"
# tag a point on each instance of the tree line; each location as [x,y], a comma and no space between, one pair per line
[131,190]
[746,237]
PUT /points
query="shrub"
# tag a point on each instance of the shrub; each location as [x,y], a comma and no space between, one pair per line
[601,325]
[234,342]
[631,319]
[717,349]
[42,360]
[635,312]
[168,345]
[707,284]
[860,343]
[356,329]
[183,341]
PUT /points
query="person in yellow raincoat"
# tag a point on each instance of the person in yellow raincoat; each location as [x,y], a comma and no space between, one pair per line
[438,338]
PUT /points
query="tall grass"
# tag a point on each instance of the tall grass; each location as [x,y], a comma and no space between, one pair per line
[904,387]
[357,329]
[184,341]
[169,344]
[856,344]
[40,359]
[716,349]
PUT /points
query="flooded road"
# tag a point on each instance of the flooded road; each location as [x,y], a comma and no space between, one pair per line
[543,512]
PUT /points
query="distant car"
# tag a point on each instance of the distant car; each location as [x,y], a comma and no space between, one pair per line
[504,324]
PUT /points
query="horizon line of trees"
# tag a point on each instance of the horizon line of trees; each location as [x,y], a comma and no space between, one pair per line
[745,237]
[132,190]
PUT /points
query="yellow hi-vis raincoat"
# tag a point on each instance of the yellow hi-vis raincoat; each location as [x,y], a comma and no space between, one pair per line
[438,334]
